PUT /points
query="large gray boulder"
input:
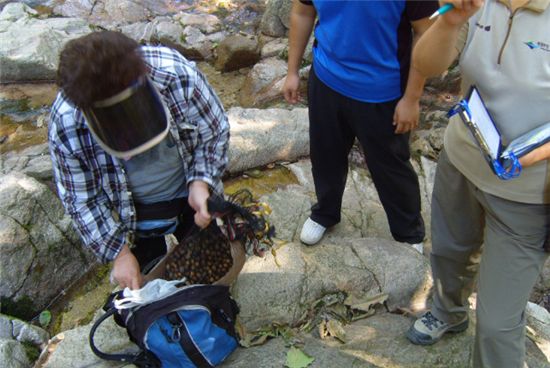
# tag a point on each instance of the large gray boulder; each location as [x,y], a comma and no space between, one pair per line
[280,289]
[30,46]
[40,252]
[276,18]
[259,137]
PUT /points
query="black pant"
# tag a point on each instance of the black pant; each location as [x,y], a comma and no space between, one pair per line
[335,122]
[149,249]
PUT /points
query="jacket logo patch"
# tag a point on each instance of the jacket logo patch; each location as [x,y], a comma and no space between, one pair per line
[538,45]
[481,26]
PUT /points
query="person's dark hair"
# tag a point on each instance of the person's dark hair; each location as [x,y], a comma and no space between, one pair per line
[98,66]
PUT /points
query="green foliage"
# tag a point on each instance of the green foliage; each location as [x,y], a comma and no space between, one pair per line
[295,358]
[45,318]
[32,351]
[183,39]
[23,308]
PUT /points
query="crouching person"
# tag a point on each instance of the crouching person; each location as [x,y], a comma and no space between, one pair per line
[138,141]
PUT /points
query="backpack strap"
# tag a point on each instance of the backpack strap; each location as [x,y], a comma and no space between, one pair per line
[142,360]
[187,343]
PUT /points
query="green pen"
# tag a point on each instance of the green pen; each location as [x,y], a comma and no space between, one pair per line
[445,8]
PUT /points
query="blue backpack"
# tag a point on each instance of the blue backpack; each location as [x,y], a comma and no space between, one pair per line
[193,327]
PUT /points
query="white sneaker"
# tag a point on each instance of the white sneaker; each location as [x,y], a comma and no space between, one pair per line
[312,232]
[418,247]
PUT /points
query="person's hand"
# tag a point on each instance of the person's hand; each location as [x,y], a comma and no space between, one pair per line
[462,11]
[538,154]
[126,270]
[291,88]
[198,194]
[405,117]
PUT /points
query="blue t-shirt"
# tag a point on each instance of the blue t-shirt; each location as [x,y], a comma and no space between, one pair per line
[362,49]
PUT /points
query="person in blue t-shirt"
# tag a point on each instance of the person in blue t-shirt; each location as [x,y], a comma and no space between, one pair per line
[361,86]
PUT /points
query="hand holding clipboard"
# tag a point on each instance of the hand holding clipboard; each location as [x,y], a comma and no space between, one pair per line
[503,160]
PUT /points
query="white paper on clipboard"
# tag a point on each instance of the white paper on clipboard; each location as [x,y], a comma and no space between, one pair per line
[481,118]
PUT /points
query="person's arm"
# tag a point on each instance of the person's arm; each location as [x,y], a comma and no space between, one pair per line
[198,195]
[86,203]
[302,19]
[203,109]
[435,50]
[539,154]
[407,111]
[126,270]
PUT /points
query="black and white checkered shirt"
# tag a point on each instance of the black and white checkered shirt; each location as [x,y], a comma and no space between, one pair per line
[93,185]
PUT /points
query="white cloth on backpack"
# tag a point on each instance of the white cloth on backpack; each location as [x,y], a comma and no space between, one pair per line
[151,292]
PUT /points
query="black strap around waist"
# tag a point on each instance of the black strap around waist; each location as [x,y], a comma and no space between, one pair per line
[161,210]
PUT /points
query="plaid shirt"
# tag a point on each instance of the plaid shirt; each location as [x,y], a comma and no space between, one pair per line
[93,185]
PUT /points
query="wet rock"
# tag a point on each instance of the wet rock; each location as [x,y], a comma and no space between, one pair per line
[30,47]
[236,52]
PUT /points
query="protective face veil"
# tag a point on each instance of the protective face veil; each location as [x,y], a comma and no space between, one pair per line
[130,122]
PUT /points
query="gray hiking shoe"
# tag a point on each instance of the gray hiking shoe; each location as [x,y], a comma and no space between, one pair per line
[428,330]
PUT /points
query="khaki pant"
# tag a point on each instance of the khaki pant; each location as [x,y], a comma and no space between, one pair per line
[500,242]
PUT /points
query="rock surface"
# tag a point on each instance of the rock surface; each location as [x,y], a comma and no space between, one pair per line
[30,47]
[280,290]
[40,252]
[259,137]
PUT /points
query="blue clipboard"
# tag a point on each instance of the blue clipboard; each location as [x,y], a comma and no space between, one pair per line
[502,159]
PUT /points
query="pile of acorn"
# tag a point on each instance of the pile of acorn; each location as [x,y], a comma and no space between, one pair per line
[202,258]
